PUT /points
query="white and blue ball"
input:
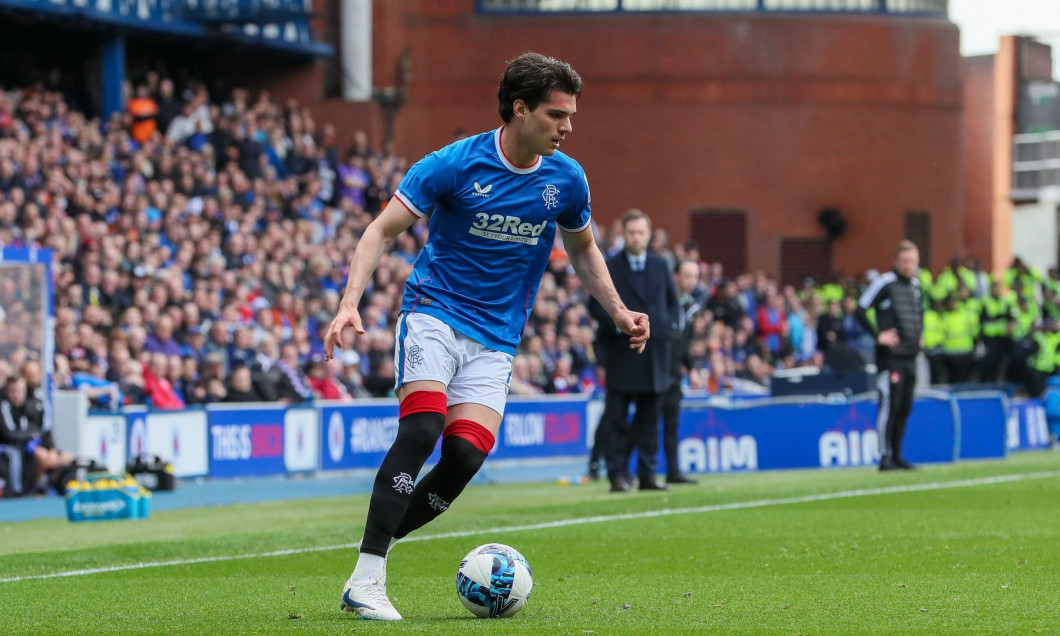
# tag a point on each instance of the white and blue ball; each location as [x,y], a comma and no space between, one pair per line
[494,580]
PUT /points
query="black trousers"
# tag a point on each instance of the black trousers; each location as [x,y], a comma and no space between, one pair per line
[998,353]
[671,413]
[619,437]
[895,381]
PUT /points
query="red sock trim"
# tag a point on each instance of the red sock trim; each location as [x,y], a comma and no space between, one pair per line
[422,402]
[473,432]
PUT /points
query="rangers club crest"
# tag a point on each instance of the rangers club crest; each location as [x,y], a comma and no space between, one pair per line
[403,483]
[414,356]
[549,195]
[436,502]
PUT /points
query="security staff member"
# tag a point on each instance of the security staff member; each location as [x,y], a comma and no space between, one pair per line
[899,326]
[998,321]
[960,326]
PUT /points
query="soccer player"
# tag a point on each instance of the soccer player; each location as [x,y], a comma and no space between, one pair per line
[495,201]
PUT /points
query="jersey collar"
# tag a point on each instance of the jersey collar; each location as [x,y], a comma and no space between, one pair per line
[508,164]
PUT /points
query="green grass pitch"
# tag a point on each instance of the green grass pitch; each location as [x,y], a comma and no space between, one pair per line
[966,548]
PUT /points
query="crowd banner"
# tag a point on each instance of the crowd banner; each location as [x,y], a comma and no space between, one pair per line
[980,435]
[807,433]
[178,437]
[1028,428]
[357,436]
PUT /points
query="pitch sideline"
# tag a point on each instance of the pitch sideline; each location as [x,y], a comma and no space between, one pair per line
[740,505]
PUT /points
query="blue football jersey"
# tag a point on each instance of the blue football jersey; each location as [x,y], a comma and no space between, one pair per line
[492,228]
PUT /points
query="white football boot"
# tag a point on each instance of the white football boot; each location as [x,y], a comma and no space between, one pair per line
[368,600]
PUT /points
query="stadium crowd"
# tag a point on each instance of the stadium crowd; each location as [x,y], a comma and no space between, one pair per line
[201,243]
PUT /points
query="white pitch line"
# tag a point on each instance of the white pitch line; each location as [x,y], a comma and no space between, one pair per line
[739,505]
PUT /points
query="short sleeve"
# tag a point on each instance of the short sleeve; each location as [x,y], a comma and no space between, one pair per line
[576,217]
[428,181]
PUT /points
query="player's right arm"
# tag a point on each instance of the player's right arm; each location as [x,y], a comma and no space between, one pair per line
[394,219]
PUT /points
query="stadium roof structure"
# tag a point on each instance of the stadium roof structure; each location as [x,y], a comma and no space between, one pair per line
[277,26]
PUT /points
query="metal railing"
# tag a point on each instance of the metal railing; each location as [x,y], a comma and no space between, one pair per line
[935,8]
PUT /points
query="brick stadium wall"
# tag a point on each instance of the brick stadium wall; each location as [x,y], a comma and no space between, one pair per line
[779,114]
[978,75]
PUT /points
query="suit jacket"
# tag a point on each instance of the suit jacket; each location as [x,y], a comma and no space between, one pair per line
[628,371]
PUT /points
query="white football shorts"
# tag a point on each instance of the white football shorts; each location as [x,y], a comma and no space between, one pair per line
[428,349]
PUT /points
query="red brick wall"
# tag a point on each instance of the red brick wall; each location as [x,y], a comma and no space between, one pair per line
[978,76]
[781,115]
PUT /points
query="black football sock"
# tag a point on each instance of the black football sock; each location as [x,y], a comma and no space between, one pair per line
[417,435]
[460,460]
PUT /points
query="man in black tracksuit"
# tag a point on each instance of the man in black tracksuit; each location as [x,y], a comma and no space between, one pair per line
[899,325]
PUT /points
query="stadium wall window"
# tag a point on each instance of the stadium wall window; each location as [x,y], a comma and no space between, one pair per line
[918,230]
[721,235]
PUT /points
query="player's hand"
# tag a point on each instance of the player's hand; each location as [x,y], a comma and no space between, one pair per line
[346,317]
[635,325]
[889,338]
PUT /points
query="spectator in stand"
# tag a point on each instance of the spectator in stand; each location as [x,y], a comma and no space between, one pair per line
[143,111]
[160,391]
[162,340]
[288,378]
[241,387]
[725,304]
[89,377]
[772,320]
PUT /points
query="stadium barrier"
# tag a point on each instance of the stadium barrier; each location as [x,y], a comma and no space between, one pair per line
[716,434]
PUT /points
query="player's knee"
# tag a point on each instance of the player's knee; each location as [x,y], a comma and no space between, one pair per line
[421,420]
[466,445]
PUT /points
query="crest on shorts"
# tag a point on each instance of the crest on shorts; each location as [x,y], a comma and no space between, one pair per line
[414,356]
[403,483]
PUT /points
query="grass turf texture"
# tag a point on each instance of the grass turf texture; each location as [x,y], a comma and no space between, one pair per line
[979,558]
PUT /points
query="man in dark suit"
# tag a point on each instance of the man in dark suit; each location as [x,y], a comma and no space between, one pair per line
[644,283]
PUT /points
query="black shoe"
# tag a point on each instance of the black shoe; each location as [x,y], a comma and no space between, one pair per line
[652,484]
[904,465]
[681,479]
[619,484]
[888,464]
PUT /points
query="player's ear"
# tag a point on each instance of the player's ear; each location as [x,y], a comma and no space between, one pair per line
[520,108]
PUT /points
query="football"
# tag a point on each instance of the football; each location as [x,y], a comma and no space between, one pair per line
[494,580]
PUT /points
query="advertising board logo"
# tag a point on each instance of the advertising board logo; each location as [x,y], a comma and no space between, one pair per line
[718,455]
[524,429]
[372,434]
[853,448]
[335,437]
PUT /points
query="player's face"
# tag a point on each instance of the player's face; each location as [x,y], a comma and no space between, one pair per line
[637,233]
[907,262]
[546,126]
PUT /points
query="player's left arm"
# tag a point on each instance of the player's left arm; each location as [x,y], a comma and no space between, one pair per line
[591,268]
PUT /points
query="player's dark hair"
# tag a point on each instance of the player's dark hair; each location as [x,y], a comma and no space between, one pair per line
[530,77]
